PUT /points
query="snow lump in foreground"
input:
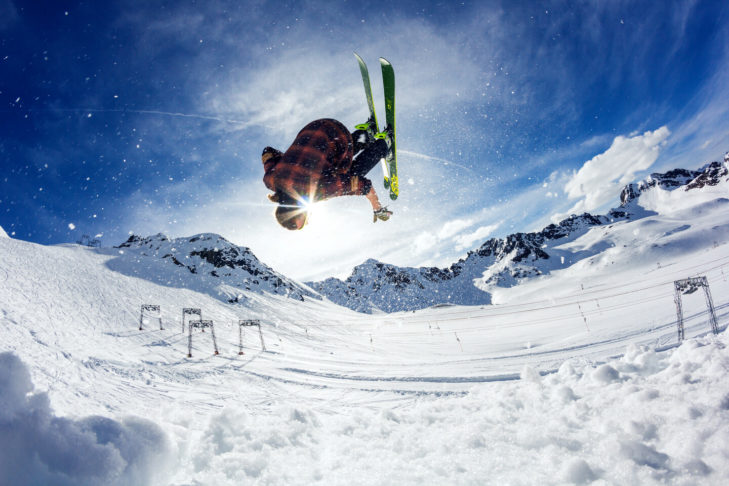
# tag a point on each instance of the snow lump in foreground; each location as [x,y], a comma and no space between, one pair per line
[41,448]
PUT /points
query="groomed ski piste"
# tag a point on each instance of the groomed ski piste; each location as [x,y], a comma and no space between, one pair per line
[573,378]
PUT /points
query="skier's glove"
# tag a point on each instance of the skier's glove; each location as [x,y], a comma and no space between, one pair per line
[382,214]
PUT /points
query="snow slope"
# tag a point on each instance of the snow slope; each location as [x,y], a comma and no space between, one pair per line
[573,377]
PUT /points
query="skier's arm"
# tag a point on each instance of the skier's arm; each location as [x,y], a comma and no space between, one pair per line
[270,158]
[372,198]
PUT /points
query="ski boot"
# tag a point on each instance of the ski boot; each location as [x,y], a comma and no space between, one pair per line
[383,214]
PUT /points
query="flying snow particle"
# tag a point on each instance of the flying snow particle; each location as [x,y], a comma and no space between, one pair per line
[71,226]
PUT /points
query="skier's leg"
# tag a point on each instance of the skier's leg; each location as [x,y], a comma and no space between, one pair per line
[361,139]
[368,157]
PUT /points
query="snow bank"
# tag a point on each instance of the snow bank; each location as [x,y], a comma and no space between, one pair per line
[647,418]
[3,234]
[40,448]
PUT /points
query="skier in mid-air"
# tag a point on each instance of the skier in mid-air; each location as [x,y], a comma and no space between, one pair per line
[324,161]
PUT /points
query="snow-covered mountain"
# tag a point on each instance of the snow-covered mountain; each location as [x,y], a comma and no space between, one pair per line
[505,262]
[206,263]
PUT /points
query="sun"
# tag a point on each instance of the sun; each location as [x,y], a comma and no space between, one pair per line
[319,214]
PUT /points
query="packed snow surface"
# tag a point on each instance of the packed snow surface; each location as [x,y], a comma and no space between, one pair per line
[571,378]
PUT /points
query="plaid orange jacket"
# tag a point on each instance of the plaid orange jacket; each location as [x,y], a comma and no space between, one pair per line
[316,165]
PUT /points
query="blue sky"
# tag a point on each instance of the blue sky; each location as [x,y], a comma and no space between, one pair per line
[150,117]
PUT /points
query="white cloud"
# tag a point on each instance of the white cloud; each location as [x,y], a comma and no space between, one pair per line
[311,76]
[601,178]
[291,90]
[450,228]
[424,242]
[465,242]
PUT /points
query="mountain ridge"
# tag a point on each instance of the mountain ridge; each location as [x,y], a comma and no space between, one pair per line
[224,270]
[228,272]
[500,262]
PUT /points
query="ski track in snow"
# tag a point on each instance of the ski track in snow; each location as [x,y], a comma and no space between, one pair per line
[572,379]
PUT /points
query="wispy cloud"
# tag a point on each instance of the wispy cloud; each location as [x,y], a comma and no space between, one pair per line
[8,14]
[467,241]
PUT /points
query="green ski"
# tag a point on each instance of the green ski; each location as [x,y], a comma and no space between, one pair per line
[388,80]
[371,124]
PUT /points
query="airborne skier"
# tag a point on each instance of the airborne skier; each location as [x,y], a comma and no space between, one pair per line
[324,161]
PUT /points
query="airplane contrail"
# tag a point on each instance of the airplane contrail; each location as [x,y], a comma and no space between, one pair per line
[438,159]
[143,112]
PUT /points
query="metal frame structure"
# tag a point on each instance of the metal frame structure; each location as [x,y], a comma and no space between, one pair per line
[202,325]
[190,311]
[148,308]
[689,286]
[249,323]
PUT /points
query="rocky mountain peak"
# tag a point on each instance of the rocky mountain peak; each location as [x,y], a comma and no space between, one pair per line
[709,175]
[212,256]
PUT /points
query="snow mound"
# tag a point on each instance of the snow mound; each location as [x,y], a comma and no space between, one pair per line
[3,234]
[646,418]
[41,448]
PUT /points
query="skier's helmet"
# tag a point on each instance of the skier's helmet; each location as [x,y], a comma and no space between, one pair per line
[292,217]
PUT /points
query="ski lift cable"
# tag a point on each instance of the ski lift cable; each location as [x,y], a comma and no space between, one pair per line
[532,322]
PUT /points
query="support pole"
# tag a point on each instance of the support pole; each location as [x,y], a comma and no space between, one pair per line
[689,286]
[710,305]
[249,323]
[240,340]
[679,313]
[202,325]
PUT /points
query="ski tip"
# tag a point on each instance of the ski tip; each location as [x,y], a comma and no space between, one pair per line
[384,62]
[359,58]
